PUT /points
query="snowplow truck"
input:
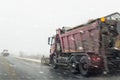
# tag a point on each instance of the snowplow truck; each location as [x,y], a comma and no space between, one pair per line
[88,48]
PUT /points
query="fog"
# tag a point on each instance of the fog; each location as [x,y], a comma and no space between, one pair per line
[25,25]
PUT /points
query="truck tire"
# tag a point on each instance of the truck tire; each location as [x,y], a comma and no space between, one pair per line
[84,66]
[73,65]
[73,68]
[54,62]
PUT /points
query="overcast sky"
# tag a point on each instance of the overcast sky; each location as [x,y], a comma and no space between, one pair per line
[25,25]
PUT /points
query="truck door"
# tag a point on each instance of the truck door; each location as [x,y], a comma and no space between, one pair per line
[51,42]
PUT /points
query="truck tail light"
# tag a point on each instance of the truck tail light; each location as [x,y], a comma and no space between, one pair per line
[96,58]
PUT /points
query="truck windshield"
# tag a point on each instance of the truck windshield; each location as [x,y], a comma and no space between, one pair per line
[51,40]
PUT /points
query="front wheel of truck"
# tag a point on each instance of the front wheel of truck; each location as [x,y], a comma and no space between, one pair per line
[54,62]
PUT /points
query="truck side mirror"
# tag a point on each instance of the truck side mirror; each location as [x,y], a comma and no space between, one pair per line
[48,40]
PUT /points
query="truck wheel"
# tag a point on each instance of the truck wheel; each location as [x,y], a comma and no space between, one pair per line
[73,66]
[54,62]
[84,66]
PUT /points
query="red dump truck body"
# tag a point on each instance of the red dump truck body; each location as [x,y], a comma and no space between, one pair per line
[81,39]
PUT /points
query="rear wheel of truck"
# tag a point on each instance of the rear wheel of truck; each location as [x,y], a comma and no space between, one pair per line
[73,68]
[84,66]
[73,65]
[54,62]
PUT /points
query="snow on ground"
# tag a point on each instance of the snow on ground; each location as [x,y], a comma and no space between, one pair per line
[28,59]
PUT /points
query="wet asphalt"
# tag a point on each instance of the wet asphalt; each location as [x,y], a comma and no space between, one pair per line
[12,68]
